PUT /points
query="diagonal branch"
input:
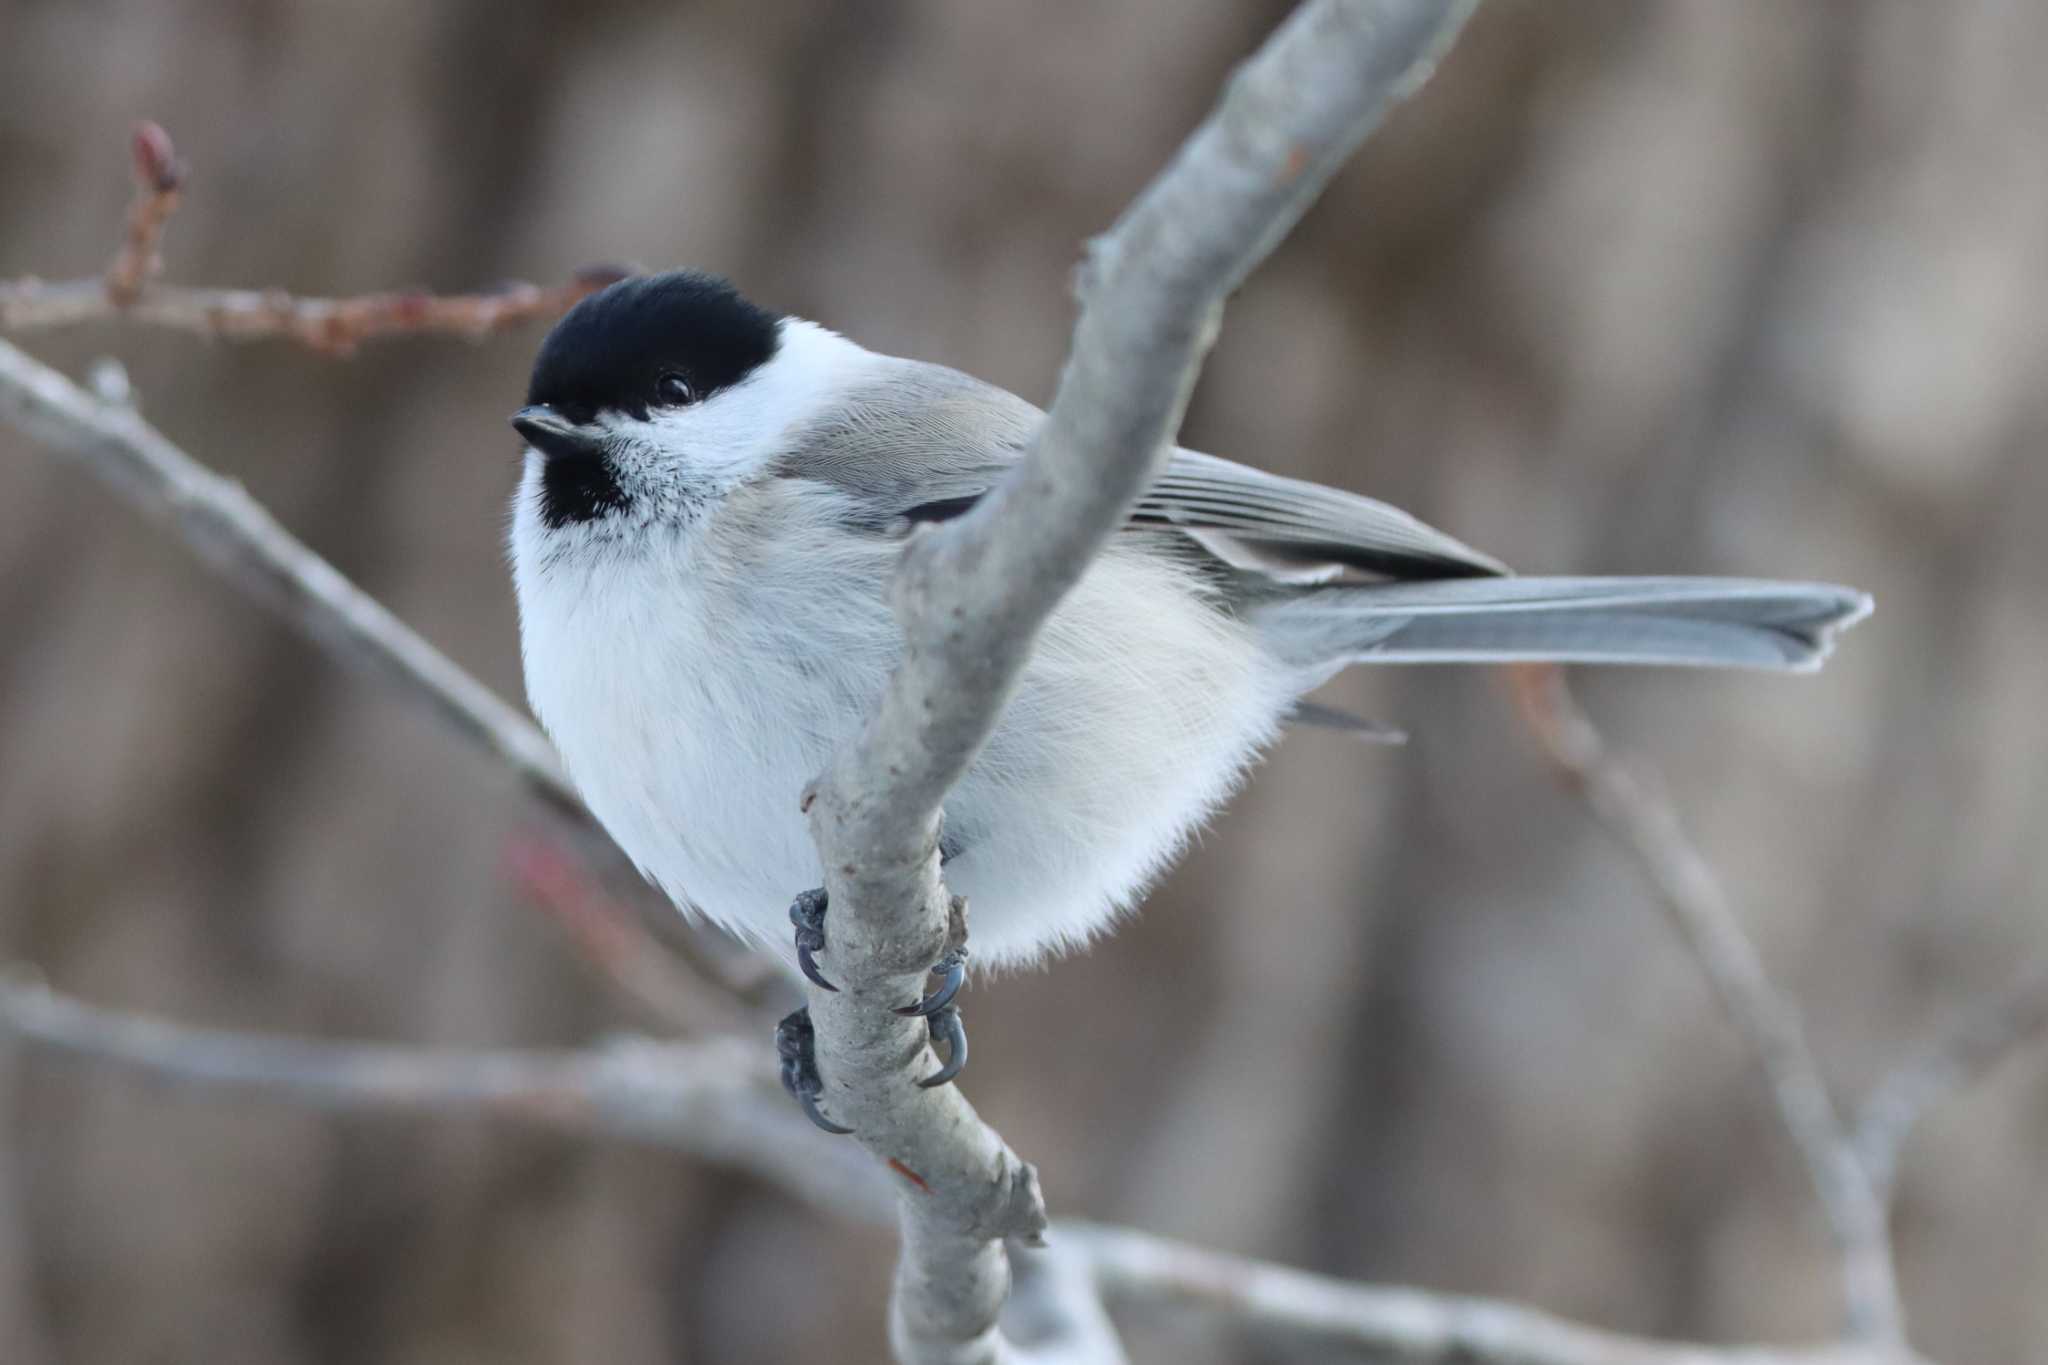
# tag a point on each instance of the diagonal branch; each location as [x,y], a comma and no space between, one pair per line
[247,547]
[1639,815]
[241,541]
[973,594]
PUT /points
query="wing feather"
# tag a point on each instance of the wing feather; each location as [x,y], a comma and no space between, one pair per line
[925,443]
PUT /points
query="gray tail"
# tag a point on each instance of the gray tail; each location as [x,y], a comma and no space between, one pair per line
[1711,622]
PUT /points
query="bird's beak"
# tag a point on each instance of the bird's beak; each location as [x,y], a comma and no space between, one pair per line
[555,436]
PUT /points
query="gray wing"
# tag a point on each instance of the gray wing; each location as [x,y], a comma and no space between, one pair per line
[925,443]
[1295,530]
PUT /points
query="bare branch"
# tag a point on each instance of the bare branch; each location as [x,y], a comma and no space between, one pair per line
[1983,1035]
[1408,1326]
[1634,811]
[715,1099]
[234,534]
[972,596]
[242,542]
[331,326]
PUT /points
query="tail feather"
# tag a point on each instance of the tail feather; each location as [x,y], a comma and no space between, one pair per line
[1711,622]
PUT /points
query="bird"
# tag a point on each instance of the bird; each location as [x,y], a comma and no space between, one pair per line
[714,496]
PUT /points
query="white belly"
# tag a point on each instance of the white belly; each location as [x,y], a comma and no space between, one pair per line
[696,695]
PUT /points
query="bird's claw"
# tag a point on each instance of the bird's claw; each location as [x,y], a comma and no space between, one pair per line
[807,913]
[947,1027]
[952,971]
[796,1045]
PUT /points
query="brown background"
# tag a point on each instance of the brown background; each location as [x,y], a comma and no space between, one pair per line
[1657,286]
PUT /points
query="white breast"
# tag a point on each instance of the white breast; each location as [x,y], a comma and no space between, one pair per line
[697,683]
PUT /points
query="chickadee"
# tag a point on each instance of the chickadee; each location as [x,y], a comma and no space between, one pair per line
[715,497]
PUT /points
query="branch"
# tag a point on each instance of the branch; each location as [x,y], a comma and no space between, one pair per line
[1982,1036]
[1642,818]
[972,596]
[1399,1326]
[331,326]
[242,542]
[236,537]
[713,1101]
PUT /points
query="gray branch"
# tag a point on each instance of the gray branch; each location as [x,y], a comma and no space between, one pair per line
[1643,819]
[242,542]
[239,539]
[1395,1325]
[971,597]
[714,1100]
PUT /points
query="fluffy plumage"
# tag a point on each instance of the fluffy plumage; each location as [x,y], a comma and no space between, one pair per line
[700,639]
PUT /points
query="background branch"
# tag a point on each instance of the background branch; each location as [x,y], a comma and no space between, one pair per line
[1637,813]
[716,1101]
[1396,1325]
[128,290]
[242,542]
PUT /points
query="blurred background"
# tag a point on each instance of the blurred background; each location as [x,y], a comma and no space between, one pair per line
[1634,285]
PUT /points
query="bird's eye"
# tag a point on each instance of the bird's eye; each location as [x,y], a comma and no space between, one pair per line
[673,389]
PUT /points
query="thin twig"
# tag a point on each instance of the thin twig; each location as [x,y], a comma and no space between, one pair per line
[158,173]
[329,326]
[972,595]
[1985,1033]
[128,289]
[1637,813]
[678,993]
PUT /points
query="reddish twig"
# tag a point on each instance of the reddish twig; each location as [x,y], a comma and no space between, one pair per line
[683,995]
[328,326]
[158,174]
[331,326]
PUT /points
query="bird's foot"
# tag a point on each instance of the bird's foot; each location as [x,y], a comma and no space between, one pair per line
[807,913]
[796,1043]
